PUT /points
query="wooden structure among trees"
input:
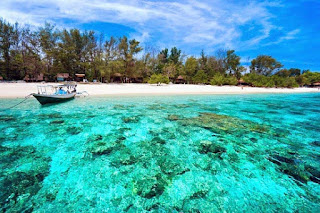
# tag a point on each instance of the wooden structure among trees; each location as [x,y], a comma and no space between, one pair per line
[180,80]
[63,77]
[316,84]
[241,82]
[80,77]
[116,78]
[38,78]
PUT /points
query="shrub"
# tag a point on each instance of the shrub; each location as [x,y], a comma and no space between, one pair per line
[230,80]
[158,78]
[259,80]
[301,80]
[291,82]
[272,81]
[217,79]
[311,77]
[200,78]
[220,80]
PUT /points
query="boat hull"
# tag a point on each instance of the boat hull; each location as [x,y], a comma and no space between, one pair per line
[50,99]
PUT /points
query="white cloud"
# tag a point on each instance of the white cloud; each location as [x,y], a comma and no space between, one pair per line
[288,36]
[213,23]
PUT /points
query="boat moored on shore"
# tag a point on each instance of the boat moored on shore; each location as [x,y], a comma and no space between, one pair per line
[55,94]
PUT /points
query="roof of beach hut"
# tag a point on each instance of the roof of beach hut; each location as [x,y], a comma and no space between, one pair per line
[180,78]
[316,84]
[63,75]
[1,78]
[80,75]
[117,74]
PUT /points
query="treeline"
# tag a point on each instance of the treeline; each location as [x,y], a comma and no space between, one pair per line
[49,51]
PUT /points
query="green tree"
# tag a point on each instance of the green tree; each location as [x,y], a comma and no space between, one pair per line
[294,72]
[232,62]
[203,61]
[111,53]
[200,77]
[170,70]
[48,38]
[220,64]
[163,56]
[175,55]
[158,79]
[258,80]
[218,80]
[230,80]
[283,73]
[311,77]
[291,82]
[30,54]
[301,80]
[213,67]
[8,38]
[128,49]
[289,73]
[264,65]
[190,68]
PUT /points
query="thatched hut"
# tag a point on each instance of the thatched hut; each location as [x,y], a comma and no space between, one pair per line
[180,80]
[316,84]
[116,78]
[1,78]
[241,82]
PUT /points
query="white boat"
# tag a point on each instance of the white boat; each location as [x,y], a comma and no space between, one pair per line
[55,94]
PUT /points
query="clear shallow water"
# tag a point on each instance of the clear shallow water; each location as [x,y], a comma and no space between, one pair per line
[253,153]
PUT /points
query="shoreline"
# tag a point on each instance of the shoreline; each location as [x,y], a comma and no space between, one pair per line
[20,90]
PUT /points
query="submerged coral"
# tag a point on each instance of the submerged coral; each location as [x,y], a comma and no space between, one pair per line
[296,168]
[133,119]
[73,130]
[224,124]
[17,188]
[162,154]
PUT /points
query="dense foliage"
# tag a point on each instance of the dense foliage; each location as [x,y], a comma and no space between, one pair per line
[270,81]
[49,51]
[158,79]
[220,80]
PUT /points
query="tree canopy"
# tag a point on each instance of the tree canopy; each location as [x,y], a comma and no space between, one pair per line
[264,65]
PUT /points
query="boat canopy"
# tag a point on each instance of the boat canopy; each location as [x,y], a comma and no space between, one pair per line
[66,88]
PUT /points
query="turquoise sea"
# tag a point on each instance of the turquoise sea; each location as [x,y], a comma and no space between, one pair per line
[196,153]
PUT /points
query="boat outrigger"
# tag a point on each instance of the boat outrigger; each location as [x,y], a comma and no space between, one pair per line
[56,94]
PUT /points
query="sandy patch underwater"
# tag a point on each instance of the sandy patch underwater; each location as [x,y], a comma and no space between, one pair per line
[167,153]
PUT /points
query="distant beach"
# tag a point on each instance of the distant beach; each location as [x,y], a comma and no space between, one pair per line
[19,90]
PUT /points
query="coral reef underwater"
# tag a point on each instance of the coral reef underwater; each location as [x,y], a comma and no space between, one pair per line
[253,153]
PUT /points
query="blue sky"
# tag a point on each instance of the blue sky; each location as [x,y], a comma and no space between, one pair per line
[288,30]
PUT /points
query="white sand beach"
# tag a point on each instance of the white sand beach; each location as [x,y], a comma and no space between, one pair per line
[20,90]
